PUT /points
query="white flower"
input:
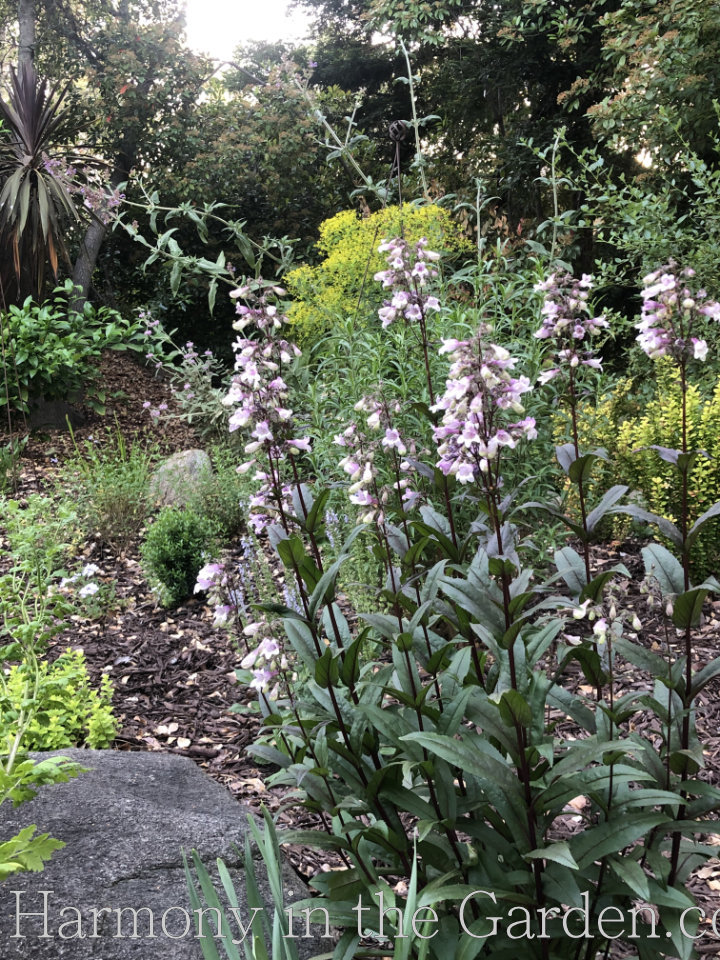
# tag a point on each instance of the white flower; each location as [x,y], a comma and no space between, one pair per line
[88,590]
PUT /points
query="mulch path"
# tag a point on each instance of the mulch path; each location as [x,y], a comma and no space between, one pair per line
[173,671]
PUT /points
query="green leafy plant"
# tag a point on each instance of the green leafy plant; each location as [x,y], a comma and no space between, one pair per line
[175,549]
[67,709]
[223,496]
[28,617]
[43,535]
[431,739]
[108,479]
[51,352]
[264,938]
[19,782]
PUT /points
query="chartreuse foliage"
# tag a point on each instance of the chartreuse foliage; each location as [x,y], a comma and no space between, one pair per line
[68,710]
[341,285]
[631,431]
[28,616]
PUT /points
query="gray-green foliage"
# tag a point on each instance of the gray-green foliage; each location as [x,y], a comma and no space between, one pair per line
[175,548]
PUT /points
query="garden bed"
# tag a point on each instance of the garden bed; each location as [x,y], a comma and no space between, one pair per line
[173,671]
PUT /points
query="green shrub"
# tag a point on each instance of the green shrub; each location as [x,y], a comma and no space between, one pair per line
[174,551]
[335,286]
[108,479]
[51,351]
[67,709]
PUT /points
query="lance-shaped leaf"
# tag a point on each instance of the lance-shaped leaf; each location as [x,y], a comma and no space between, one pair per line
[664,567]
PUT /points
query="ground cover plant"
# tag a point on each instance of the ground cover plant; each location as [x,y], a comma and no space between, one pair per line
[430,739]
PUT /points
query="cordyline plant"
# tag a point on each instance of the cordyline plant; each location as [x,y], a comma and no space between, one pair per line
[428,739]
[41,193]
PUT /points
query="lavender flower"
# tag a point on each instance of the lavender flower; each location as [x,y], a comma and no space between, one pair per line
[480,392]
[260,396]
[671,312]
[409,270]
[567,322]
[208,577]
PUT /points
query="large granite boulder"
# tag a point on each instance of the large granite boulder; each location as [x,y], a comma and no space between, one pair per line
[125,823]
[178,479]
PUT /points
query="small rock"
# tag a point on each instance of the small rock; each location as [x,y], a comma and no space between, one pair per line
[178,480]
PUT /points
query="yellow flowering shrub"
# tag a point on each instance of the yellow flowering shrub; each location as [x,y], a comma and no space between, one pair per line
[342,283]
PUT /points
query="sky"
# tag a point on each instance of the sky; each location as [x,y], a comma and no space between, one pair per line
[216,27]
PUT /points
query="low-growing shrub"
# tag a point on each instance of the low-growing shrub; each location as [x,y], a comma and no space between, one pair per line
[632,431]
[175,549]
[67,710]
[51,351]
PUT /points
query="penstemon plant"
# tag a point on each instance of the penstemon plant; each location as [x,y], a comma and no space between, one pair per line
[428,739]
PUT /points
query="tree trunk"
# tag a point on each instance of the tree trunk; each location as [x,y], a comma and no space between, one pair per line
[93,239]
[26,31]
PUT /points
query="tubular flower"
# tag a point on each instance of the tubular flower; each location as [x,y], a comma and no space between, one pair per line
[671,313]
[260,396]
[359,462]
[567,322]
[480,394]
[409,271]
[263,664]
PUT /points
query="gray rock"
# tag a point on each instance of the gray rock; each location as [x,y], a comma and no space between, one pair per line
[179,478]
[125,823]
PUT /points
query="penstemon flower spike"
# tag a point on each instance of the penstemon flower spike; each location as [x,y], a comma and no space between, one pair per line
[672,312]
[568,324]
[481,394]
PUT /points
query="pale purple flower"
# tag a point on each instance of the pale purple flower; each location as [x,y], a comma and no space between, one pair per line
[207,577]
[407,276]
[671,313]
[480,391]
[393,440]
[568,322]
